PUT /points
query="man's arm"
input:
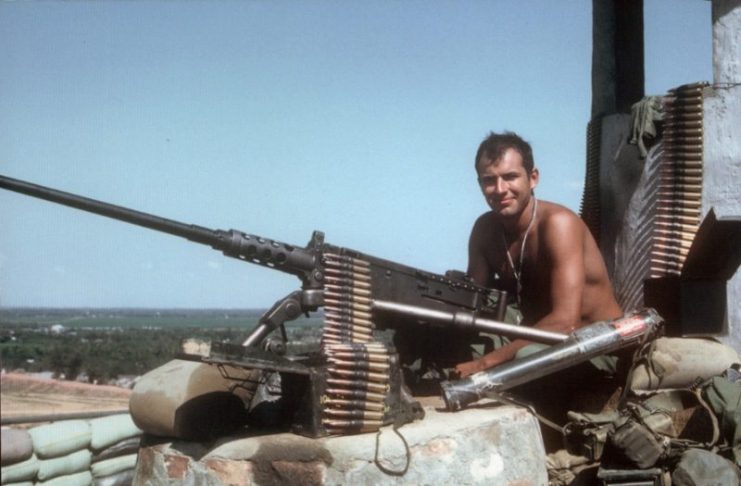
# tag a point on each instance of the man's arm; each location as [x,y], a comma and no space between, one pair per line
[561,241]
[478,267]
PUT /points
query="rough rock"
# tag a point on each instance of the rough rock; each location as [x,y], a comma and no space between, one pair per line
[496,445]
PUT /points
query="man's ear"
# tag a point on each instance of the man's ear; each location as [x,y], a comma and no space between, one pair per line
[534,177]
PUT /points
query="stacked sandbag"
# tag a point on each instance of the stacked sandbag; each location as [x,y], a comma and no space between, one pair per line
[15,446]
[677,363]
[100,451]
[19,463]
[193,401]
[115,441]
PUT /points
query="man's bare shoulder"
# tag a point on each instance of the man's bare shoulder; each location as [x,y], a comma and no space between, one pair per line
[483,224]
[554,214]
[558,225]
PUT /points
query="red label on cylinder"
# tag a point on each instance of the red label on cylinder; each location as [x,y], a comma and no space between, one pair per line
[630,326]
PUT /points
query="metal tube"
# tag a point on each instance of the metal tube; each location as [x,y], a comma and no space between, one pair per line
[582,345]
[191,232]
[472,321]
[262,251]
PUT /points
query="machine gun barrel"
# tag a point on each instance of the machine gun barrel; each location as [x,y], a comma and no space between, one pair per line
[470,320]
[344,281]
[191,232]
[254,249]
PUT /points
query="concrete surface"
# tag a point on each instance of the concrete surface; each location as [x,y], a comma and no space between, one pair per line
[726,41]
[494,445]
[722,173]
[722,119]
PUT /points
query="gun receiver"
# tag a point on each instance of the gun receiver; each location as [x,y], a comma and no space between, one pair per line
[398,291]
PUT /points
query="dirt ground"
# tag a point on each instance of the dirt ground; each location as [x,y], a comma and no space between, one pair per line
[23,395]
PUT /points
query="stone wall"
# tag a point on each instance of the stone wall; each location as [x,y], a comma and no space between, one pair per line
[498,445]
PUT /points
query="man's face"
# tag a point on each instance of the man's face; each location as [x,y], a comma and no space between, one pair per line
[506,184]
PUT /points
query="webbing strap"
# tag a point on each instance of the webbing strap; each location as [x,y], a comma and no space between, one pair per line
[697,392]
[383,468]
[642,355]
[510,400]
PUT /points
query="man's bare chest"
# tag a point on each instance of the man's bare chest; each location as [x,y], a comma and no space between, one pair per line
[512,265]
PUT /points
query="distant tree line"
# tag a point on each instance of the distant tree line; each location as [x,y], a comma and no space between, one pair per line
[102,355]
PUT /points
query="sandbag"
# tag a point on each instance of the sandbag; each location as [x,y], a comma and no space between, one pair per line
[724,397]
[112,466]
[679,362]
[699,467]
[15,446]
[21,471]
[60,438]
[78,479]
[190,400]
[106,431]
[120,448]
[65,465]
[123,478]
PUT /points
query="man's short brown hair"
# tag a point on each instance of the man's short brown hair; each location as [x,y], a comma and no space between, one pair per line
[495,144]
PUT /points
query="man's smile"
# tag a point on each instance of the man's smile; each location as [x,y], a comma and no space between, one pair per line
[505,202]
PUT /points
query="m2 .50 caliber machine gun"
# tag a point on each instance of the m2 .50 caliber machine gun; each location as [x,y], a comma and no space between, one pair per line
[379,317]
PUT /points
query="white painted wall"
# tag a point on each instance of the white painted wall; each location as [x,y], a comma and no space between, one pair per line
[726,41]
[722,138]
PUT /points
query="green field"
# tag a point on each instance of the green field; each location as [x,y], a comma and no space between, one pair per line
[141,318]
[103,344]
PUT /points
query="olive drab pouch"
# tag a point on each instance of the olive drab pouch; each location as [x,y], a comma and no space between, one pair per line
[586,433]
[723,395]
[639,434]
[637,443]
[642,435]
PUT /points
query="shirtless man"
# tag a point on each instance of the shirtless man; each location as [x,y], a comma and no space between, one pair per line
[540,252]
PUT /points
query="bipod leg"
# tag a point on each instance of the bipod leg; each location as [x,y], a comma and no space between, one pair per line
[286,309]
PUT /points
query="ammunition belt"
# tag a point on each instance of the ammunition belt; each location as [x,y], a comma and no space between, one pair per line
[679,191]
[358,367]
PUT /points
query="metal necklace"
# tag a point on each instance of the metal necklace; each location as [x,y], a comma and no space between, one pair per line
[517,271]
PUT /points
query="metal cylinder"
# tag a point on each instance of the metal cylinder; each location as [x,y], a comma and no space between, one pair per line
[583,344]
[470,320]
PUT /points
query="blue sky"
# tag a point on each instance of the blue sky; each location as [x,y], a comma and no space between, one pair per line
[360,119]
